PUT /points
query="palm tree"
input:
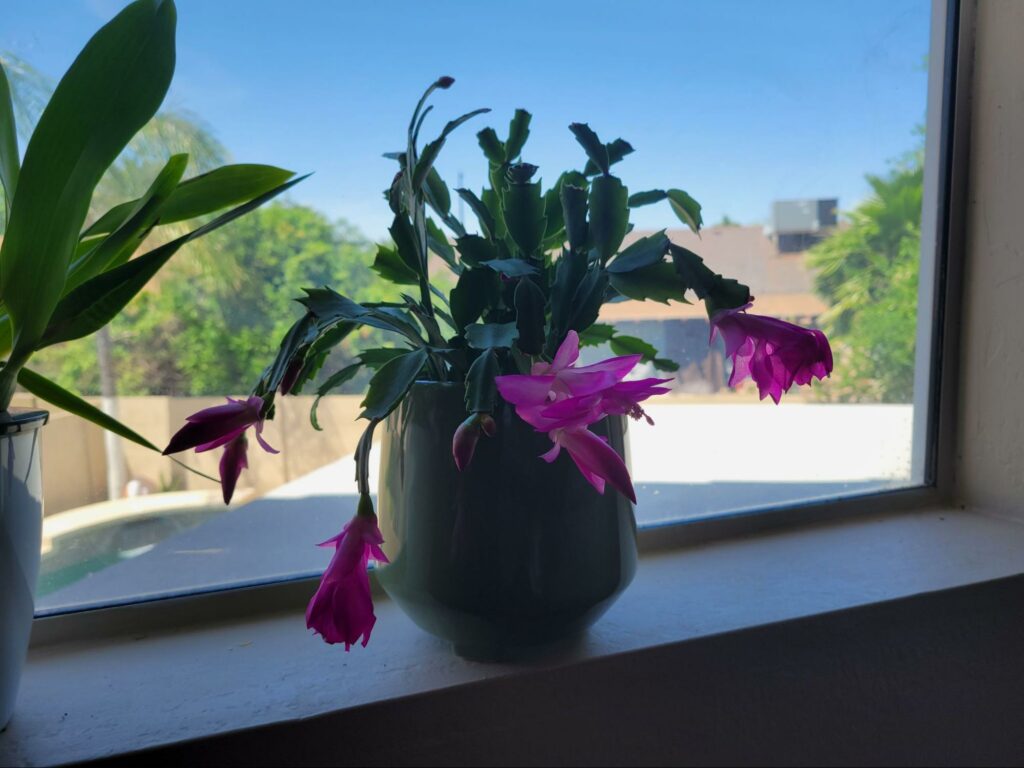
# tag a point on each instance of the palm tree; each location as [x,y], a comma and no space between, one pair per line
[169,132]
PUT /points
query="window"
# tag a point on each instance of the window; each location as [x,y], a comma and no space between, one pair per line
[801,127]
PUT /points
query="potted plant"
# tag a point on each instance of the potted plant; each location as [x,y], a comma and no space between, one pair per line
[505,497]
[61,279]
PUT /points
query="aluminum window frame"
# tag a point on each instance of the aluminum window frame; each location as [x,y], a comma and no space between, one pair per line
[935,388]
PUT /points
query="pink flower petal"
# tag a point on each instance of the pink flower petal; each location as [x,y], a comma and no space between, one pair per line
[568,352]
[597,459]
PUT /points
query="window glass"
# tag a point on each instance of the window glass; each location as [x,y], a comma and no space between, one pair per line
[799,126]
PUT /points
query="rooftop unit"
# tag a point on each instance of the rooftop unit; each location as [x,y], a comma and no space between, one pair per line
[799,224]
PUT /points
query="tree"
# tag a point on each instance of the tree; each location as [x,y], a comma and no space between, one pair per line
[210,331]
[868,272]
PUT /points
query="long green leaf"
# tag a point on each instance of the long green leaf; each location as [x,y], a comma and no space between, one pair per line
[96,302]
[56,395]
[117,247]
[111,90]
[10,162]
[433,149]
[207,193]
[389,385]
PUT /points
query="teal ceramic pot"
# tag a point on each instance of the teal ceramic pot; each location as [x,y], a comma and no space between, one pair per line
[510,554]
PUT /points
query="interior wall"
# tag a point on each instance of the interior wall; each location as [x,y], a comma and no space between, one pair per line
[990,462]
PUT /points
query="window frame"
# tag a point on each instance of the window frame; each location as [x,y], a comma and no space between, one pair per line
[935,389]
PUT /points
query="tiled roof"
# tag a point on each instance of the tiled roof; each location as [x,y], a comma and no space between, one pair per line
[785,305]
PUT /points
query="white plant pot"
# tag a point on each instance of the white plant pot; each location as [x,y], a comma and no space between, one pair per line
[21,530]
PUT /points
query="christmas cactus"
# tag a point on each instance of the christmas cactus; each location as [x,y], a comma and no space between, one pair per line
[529,286]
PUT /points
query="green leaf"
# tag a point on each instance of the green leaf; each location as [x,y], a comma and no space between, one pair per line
[483,215]
[117,247]
[437,241]
[204,194]
[491,335]
[596,151]
[574,211]
[476,251]
[476,290]
[686,208]
[331,307]
[10,162]
[617,150]
[379,356]
[715,291]
[389,265]
[596,335]
[609,215]
[647,198]
[524,216]
[511,267]
[631,345]
[433,149]
[97,301]
[481,391]
[587,301]
[389,385]
[492,200]
[405,243]
[333,382]
[494,149]
[570,270]
[437,193]
[111,90]
[664,364]
[658,282]
[518,132]
[529,302]
[644,252]
[56,395]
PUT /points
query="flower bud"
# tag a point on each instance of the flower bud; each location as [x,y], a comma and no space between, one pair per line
[464,442]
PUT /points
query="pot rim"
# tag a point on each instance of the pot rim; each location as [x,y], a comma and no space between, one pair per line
[16,420]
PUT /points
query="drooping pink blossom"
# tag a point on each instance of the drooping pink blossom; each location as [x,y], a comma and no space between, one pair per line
[773,353]
[562,400]
[223,425]
[341,611]
[468,434]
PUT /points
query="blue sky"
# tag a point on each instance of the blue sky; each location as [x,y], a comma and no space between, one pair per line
[740,102]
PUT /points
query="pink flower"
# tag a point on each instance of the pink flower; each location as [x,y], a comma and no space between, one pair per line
[342,608]
[560,379]
[466,436]
[223,425]
[773,353]
[563,401]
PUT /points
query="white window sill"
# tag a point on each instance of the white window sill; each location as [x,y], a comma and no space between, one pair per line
[92,699]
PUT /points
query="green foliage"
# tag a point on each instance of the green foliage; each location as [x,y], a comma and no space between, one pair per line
[201,332]
[868,273]
[59,280]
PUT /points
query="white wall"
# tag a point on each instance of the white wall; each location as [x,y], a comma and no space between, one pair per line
[990,465]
